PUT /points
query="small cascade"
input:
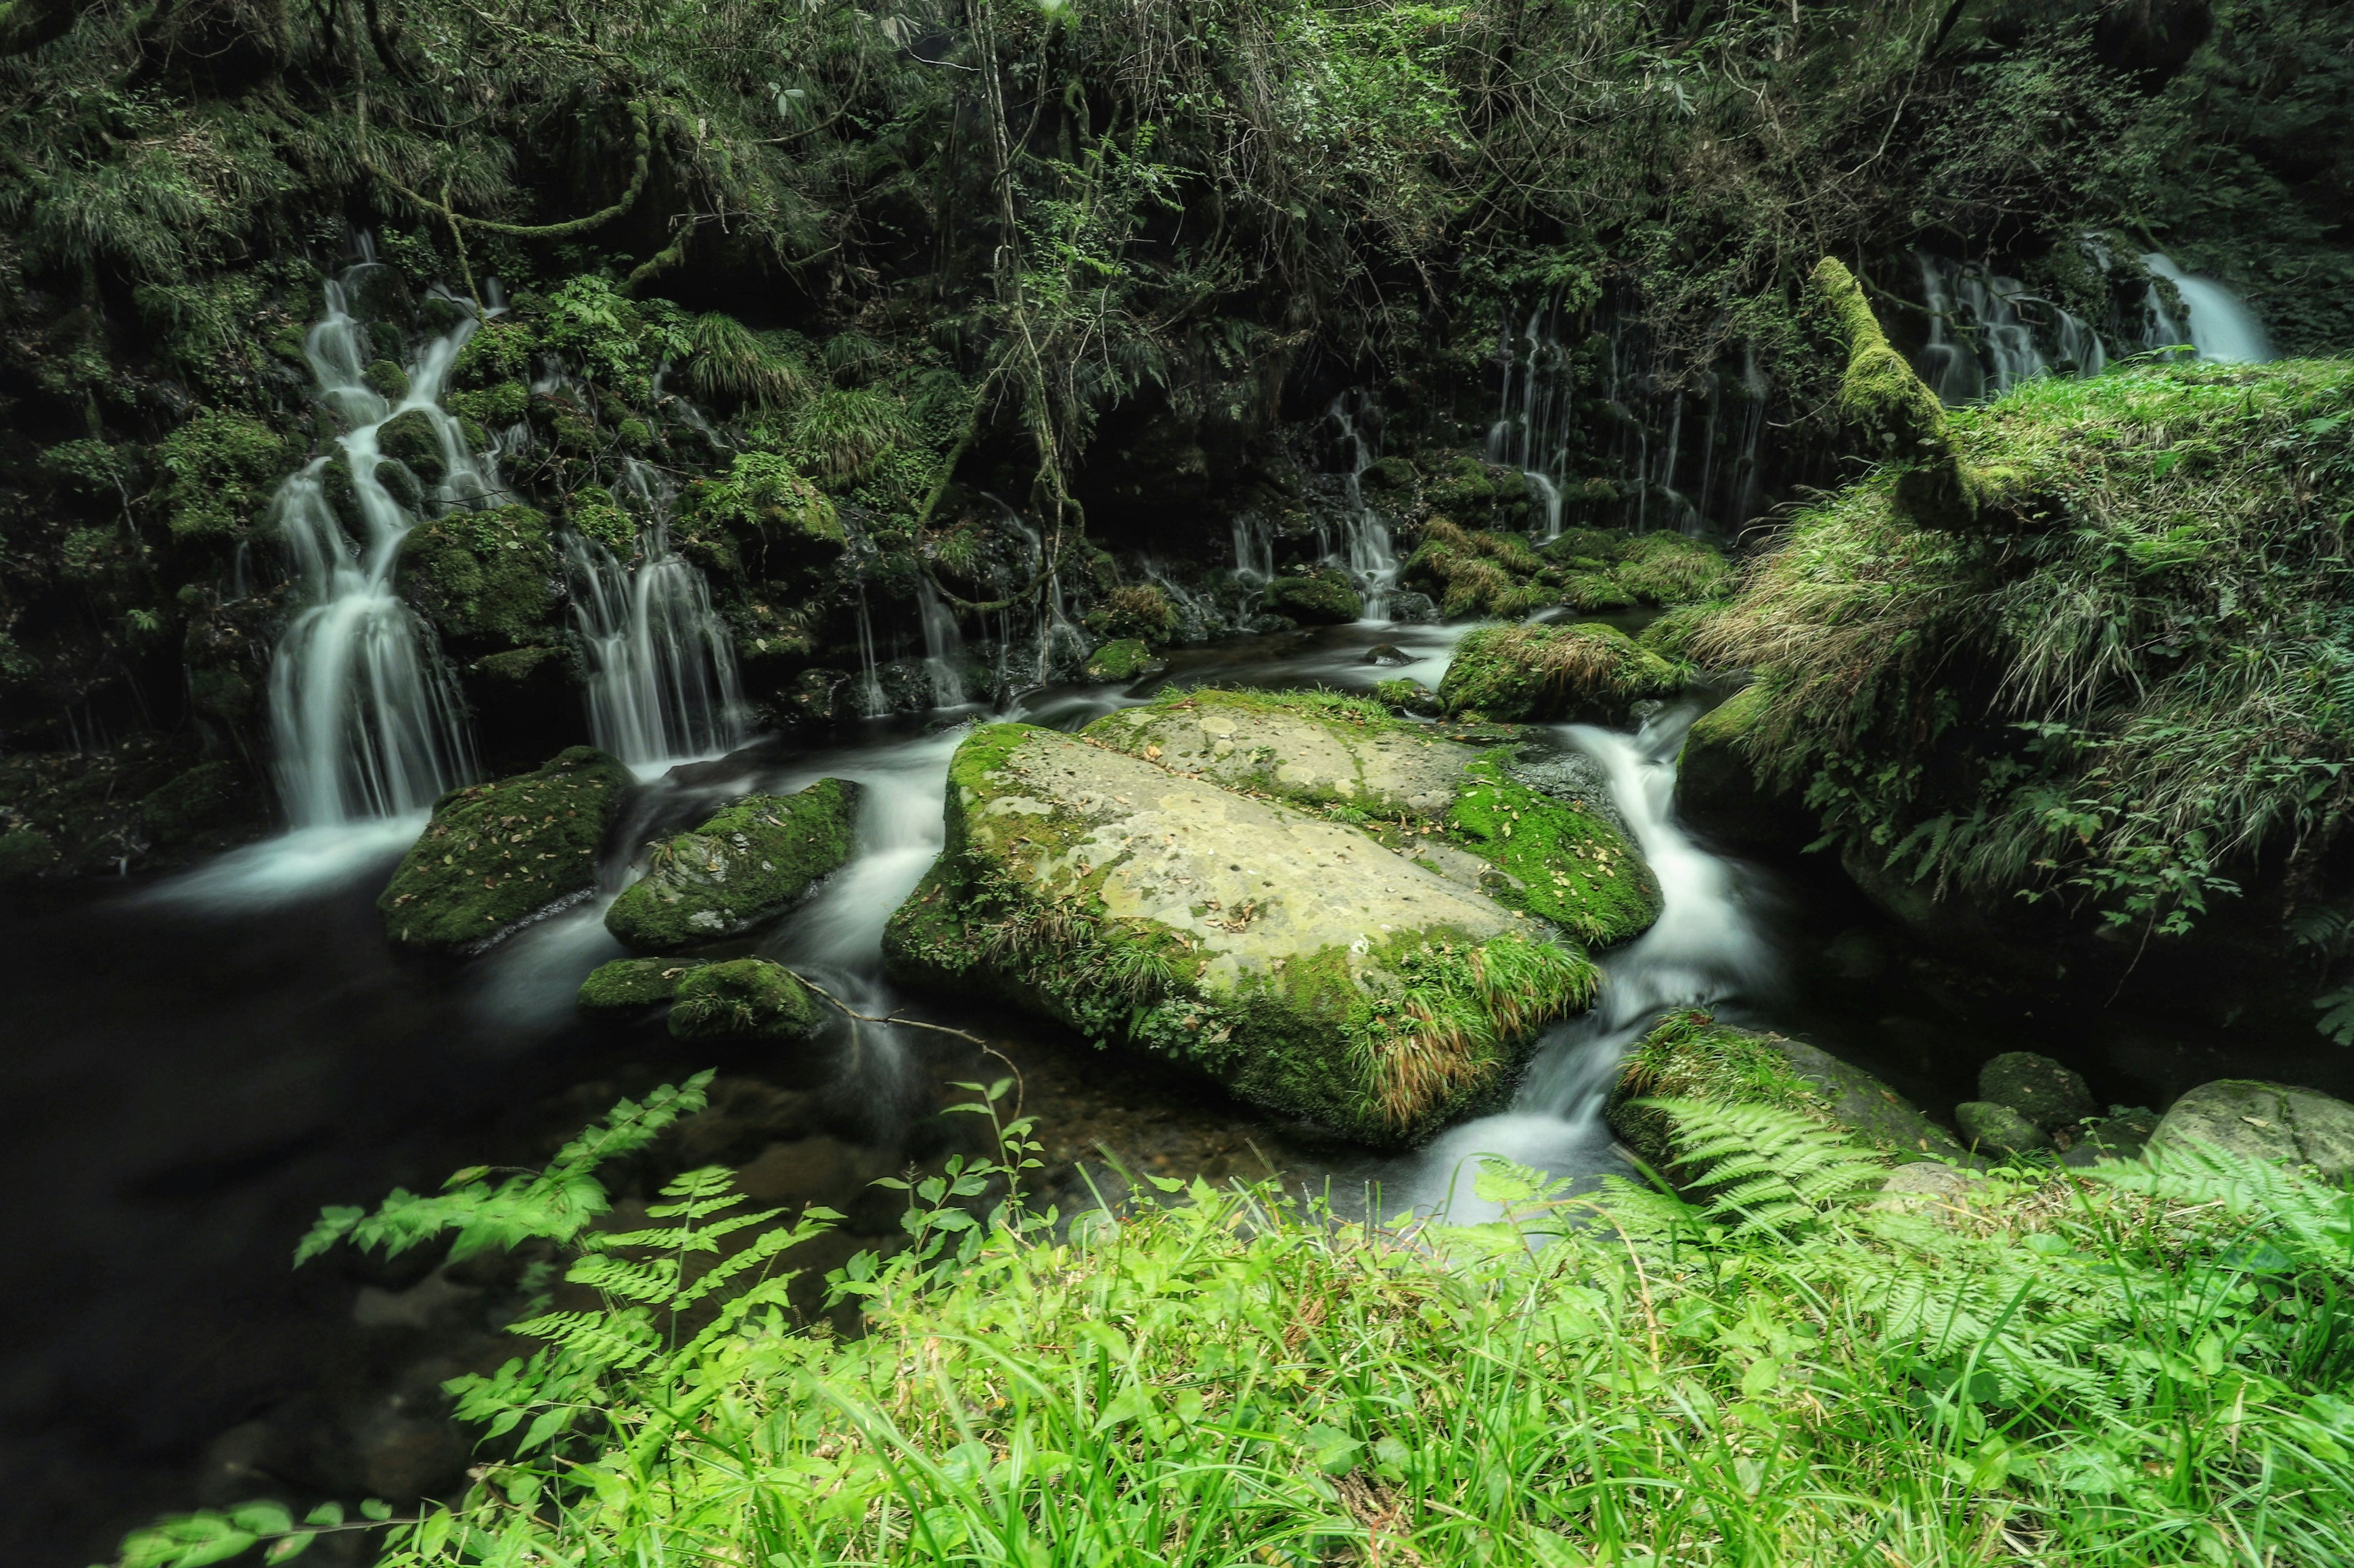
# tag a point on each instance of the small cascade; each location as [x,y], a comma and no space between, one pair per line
[365,719]
[1367,553]
[662,685]
[1254,549]
[943,647]
[2217,324]
[872,699]
[1061,643]
[1988,335]
[1704,949]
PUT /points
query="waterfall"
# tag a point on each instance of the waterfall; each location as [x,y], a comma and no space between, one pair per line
[1704,949]
[663,685]
[1367,553]
[943,646]
[1059,642]
[2217,323]
[1982,343]
[873,701]
[1253,548]
[365,720]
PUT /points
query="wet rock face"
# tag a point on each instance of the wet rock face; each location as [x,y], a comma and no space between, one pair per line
[497,854]
[1689,1056]
[2265,1121]
[1717,788]
[628,985]
[744,867]
[1547,852]
[1586,671]
[1295,958]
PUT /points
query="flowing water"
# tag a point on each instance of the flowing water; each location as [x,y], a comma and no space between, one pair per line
[364,717]
[1366,552]
[2216,322]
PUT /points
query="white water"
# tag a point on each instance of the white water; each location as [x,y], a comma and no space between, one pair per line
[662,683]
[1367,553]
[1988,333]
[1704,949]
[366,721]
[2217,323]
[943,647]
[1253,548]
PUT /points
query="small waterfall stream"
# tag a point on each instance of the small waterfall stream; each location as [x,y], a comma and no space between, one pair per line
[1706,948]
[367,721]
[2216,322]
[1366,552]
[662,684]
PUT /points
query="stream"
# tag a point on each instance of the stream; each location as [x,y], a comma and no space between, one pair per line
[202,1062]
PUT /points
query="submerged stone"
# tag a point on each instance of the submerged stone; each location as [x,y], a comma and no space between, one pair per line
[743,999]
[1586,670]
[631,985]
[497,854]
[2278,1122]
[1689,1056]
[1292,957]
[1430,797]
[745,866]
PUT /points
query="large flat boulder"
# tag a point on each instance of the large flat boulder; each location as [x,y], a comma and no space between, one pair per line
[2266,1121]
[1554,853]
[1294,958]
[497,856]
[744,867]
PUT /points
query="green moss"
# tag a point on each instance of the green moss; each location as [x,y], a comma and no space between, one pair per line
[1389,474]
[1593,593]
[1460,485]
[1673,569]
[387,380]
[631,985]
[1126,660]
[499,351]
[414,441]
[519,666]
[1135,612]
[205,796]
[498,405]
[1567,867]
[744,867]
[1481,573]
[744,998]
[1518,673]
[496,854]
[485,579]
[1671,636]
[773,511]
[1689,1056]
[1408,697]
[218,471]
[1323,598]
[25,853]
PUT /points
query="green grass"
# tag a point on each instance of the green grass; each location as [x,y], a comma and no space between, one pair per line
[2131,1367]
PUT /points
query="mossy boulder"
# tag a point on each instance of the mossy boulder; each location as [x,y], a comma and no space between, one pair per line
[493,407]
[207,796]
[1718,792]
[1673,569]
[1135,612]
[1584,671]
[1408,697]
[775,516]
[1996,1130]
[1321,598]
[413,439]
[219,469]
[1429,799]
[631,985]
[2038,1089]
[744,867]
[387,380]
[1475,572]
[1689,1056]
[25,853]
[1460,485]
[2278,1122]
[496,854]
[1126,660]
[488,581]
[1292,957]
[743,999]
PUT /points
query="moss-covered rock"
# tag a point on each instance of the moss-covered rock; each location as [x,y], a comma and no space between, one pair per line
[25,853]
[1586,670]
[776,517]
[1459,485]
[493,407]
[1471,572]
[2038,1089]
[1292,957]
[1320,599]
[1408,697]
[413,439]
[486,580]
[207,796]
[1134,611]
[744,867]
[218,472]
[1126,660]
[387,380]
[1673,569]
[496,854]
[1719,793]
[628,986]
[1999,1131]
[2278,1122]
[743,999]
[1689,1056]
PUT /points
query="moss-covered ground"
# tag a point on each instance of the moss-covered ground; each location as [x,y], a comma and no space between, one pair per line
[1593,571]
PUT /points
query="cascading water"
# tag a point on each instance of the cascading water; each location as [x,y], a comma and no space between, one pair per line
[1982,343]
[1253,548]
[366,722]
[943,647]
[2216,322]
[1367,553]
[1704,949]
[662,683]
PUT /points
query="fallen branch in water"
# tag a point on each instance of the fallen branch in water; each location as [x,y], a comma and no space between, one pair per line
[1021,1090]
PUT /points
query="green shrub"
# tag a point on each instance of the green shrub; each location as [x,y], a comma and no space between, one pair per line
[218,470]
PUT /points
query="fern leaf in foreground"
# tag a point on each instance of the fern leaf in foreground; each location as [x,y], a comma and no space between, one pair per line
[1765,1168]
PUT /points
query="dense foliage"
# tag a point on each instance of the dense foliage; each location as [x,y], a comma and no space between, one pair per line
[2141,1363]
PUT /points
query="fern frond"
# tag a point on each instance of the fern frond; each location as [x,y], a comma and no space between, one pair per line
[1766,1167]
